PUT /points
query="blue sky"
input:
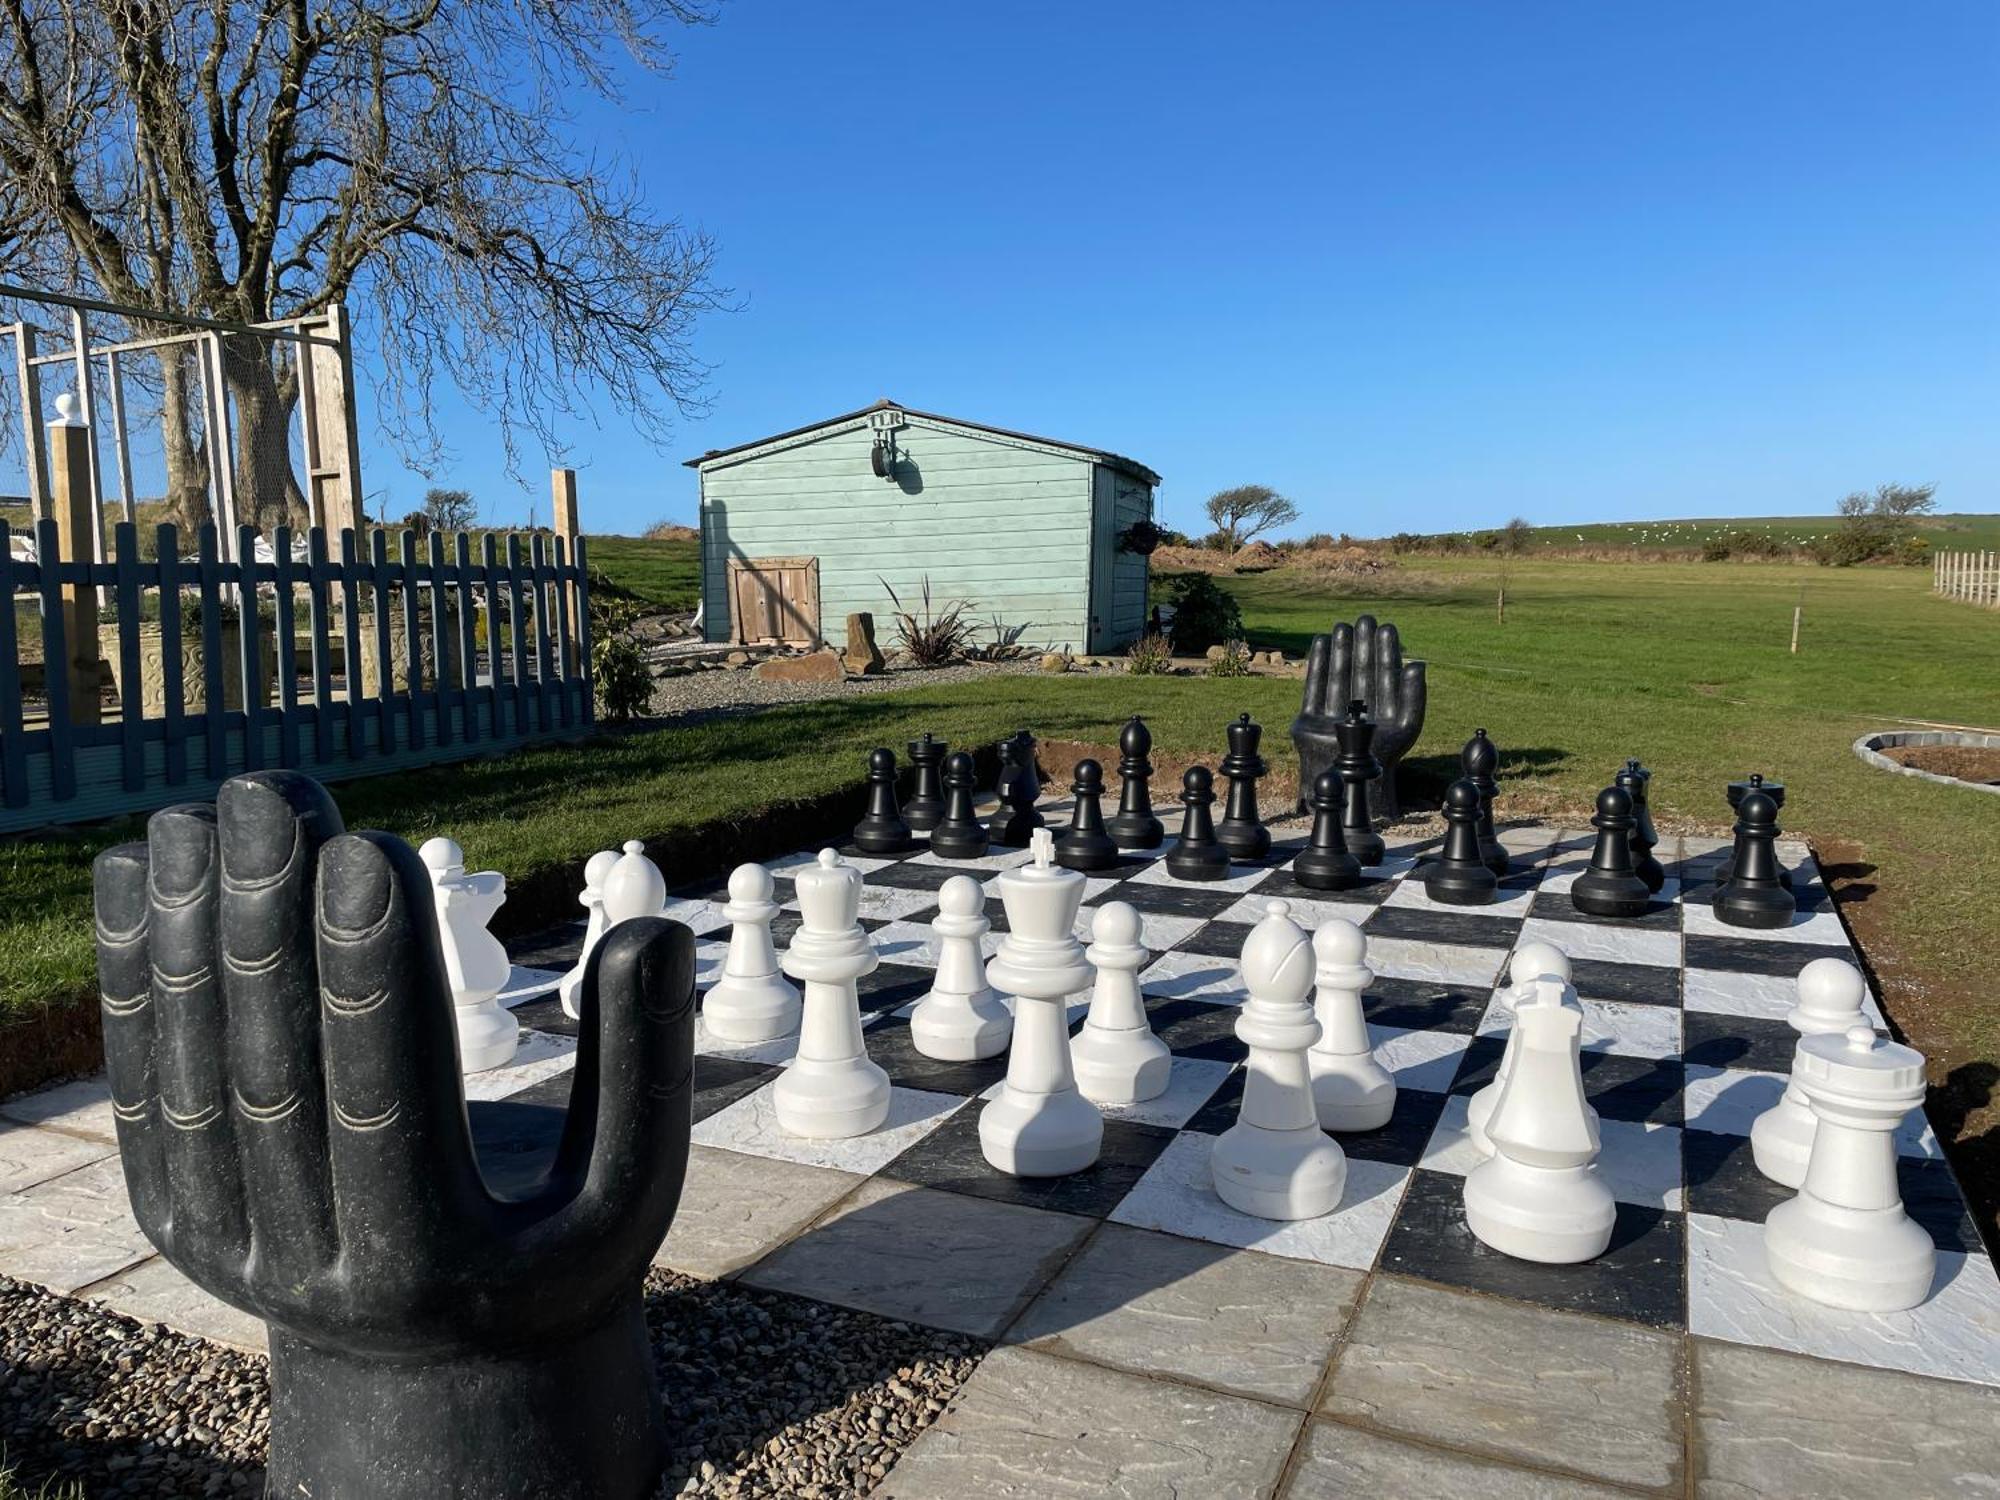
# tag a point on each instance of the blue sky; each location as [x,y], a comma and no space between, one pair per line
[1420,266]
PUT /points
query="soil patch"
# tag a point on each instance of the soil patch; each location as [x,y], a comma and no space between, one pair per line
[1974,763]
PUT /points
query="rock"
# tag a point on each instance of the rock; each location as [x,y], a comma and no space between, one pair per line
[862,657]
[1055,661]
[737,659]
[814,666]
[1217,652]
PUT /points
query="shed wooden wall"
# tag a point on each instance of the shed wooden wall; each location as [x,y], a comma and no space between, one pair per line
[1007,528]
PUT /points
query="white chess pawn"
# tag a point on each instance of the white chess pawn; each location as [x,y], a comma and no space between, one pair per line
[632,887]
[751,1001]
[1274,1162]
[1540,1196]
[1845,1240]
[1351,1090]
[591,899]
[960,1017]
[831,1090]
[475,961]
[1118,1059]
[1039,1125]
[1531,961]
[1831,992]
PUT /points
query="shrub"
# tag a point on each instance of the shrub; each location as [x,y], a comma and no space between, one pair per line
[618,671]
[1150,656]
[1232,661]
[931,635]
[1516,534]
[1205,613]
[1715,549]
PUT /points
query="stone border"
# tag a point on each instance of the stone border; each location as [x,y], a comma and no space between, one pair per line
[1870,747]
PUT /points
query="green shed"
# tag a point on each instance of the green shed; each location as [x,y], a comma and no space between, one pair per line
[800,530]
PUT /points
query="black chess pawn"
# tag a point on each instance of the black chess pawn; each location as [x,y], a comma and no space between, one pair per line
[1477,763]
[1459,876]
[1017,759]
[1633,779]
[1354,732]
[926,804]
[1133,826]
[1738,790]
[959,834]
[1197,855]
[1015,823]
[1753,897]
[882,829]
[1610,887]
[1324,864]
[1242,831]
[1084,845]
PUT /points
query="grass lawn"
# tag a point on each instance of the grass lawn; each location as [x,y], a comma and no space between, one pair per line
[665,574]
[1946,533]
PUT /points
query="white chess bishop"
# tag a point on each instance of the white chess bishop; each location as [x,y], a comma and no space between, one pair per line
[961,1017]
[1845,1240]
[1351,1090]
[1540,1196]
[632,887]
[1039,1125]
[1531,961]
[1118,1059]
[1274,1162]
[591,899]
[475,961]
[751,1001]
[831,1090]
[1831,993]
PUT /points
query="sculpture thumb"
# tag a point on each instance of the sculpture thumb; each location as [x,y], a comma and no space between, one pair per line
[1416,691]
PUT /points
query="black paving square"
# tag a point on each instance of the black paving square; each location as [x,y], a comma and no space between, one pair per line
[1751,1042]
[1426,1005]
[895,1052]
[1771,957]
[545,1014]
[1170,900]
[1195,1028]
[720,1081]
[1634,984]
[906,876]
[1640,1089]
[1218,939]
[1556,906]
[1468,929]
[949,1158]
[1372,891]
[891,986]
[551,948]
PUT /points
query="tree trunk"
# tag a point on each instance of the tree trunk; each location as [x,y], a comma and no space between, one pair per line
[267,491]
[187,461]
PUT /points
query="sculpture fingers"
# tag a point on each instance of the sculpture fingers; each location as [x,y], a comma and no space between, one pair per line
[125,987]
[272,824]
[1365,652]
[406,1188]
[1318,666]
[1340,680]
[1415,695]
[625,1143]
[1387,684]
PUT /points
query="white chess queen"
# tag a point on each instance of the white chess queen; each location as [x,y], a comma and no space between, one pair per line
[832,1090]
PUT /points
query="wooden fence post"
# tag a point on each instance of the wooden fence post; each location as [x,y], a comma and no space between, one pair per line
[72,497]
[562,490]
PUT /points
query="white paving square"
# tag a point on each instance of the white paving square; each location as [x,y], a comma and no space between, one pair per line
[791,864]
[542,1055]
[1177,1195]
[1608,1026]
[1440,963]
[525,984]
[1309,912]
[1728,1101]
[1423,1060]
[777,1052]
[698,916]
[995,859]
[1954,1335]
[885,903]
[1724,993]
[1411,894]
[750,1125]
[1194,976]
[1622,945]
[1640,1163]
[1699,919]
[1190,1084]
[1241,878]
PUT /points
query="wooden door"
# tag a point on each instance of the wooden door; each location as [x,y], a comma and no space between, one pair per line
[774,600]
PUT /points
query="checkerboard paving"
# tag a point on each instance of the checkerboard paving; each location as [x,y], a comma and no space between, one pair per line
[1685,1042]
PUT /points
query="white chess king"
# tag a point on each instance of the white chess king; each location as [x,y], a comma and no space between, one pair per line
[751,1002]
[475,961]
[832,1089]
[1274,1162]
[1831,993]
[1038,1125]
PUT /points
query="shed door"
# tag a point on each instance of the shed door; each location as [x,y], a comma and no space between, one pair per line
[774,599]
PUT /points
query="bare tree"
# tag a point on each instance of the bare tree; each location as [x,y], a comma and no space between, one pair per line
[1248,511]
[450,510]
[247,160]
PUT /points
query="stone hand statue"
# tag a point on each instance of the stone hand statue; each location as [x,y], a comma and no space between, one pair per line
[285,1076]
[1364,661]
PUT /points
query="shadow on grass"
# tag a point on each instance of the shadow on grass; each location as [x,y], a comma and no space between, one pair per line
[1967,1091]
[1423,779]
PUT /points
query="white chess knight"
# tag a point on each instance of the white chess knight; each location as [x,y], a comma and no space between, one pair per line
[629,886]
[1038,1124]
[831,1090]
[1118,1059]
[1831,993]
[1540,1196]
[591,899]
[475,961]
[1274,1162]
[751,1001]
[1845,1240]
[1531,961]
[1351,1090]
[961,1017]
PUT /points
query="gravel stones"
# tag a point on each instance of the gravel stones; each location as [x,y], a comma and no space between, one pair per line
[694,696]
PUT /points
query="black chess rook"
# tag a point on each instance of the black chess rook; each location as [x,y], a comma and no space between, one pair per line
[1134,826]
[1610,887]
[1242,831]
[1197,855]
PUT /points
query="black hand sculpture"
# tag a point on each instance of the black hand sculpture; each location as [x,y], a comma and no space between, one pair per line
[285,1077]
[1361,661]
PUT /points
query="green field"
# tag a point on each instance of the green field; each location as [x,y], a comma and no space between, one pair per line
[1964,532]
[663,575]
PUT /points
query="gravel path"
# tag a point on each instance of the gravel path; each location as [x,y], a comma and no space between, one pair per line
[694,696]
[766,1395]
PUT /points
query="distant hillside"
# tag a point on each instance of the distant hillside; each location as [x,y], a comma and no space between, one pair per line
[1954,532]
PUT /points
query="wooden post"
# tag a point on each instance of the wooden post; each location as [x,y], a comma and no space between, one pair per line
[562,493]
[39,505]
[76,517]
[1797,611]
[335,452]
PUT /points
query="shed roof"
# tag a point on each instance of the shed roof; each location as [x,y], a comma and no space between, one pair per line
[1098,455]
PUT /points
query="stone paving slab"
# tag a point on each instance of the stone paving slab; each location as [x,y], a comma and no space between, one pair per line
[1030,1426]
[1345,1463]
[1591,1396]
[31,1154]
[71,1231]
[736,1209]
[154,1292]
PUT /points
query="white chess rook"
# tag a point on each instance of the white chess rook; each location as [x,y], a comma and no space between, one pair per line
[831,1090]
[961,1017]
[1039,1125]
[1351,1090]
[1530,961]
[1845,1240]
[1831,993]
[475,961]
[1118,1059]
[591,899]
[751,1002]
[1540,1196]
[1274,1163]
